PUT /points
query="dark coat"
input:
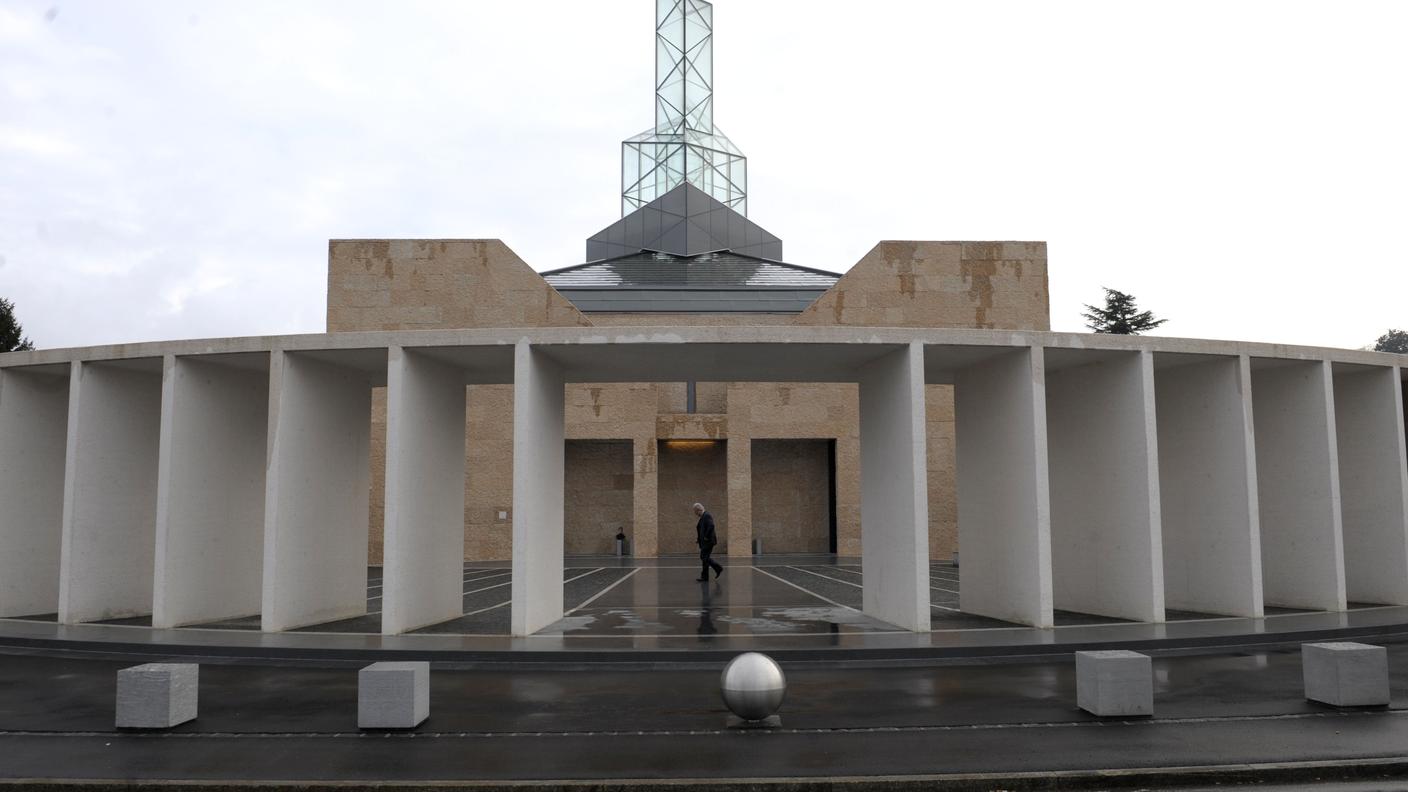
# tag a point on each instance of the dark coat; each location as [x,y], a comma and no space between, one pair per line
[704,530]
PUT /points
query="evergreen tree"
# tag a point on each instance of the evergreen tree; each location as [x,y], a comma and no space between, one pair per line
[11,334]
[1119,316]
[1393,341]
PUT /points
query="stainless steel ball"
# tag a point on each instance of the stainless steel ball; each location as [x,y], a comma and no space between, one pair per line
[753,686]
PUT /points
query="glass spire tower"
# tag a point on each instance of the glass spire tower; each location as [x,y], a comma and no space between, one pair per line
[684,146]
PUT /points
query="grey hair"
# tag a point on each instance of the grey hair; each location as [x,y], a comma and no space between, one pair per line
[699,506]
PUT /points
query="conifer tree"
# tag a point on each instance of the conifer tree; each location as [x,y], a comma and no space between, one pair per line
[1119,316]
[11,334]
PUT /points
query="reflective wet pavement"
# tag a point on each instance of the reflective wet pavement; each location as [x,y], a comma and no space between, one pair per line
[623,610]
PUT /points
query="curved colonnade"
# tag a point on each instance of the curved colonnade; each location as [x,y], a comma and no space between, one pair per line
[199,481]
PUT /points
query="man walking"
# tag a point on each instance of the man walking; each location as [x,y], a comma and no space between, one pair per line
[706,539]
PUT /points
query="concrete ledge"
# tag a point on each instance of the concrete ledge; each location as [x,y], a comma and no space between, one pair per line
[393,695]
[1116,683]
[157,695]
[1346,674]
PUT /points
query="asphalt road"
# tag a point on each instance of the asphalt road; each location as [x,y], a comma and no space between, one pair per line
[263,723]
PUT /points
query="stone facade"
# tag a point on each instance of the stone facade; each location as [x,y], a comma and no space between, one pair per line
[757,454]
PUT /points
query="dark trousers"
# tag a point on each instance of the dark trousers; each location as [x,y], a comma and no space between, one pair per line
[708,563]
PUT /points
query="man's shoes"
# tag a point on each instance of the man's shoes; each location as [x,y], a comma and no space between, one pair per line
[719,573]
[701,580]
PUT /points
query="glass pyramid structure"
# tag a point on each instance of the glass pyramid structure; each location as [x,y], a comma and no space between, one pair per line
[684,147]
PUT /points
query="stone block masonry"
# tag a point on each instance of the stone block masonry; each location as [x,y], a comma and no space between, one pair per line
[453,284]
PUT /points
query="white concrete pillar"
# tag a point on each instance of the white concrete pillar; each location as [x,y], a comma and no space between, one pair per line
[1297,473]
[539,442]
[1106,552]
[1004,506]
[210,489]
[109,515]
[894,500]
[33,435]
[1207,483]
[1373,483]
[316,493]
[425,467]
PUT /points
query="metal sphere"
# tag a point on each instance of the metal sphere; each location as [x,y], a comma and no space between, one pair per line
[753,686]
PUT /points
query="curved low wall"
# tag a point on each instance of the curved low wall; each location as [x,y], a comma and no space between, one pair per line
[1121,476]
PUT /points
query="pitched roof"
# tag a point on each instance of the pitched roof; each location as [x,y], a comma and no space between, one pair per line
[647,282]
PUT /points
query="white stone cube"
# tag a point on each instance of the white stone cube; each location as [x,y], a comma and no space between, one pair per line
[1345,674]
[1115,683]
[393,695]
[157,695]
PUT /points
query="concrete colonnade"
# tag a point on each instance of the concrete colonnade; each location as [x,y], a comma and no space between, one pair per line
[425,466]
[1106,548]
[109,509]
[1207,482]
[33,436]
[1373,482]
[1118,480]
[317,498]
[1004,500]
[1298,484]
[210,489]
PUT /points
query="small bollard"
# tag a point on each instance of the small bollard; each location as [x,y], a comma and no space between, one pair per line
[1114,684]
[157,695]
[393,695]
[1345,674]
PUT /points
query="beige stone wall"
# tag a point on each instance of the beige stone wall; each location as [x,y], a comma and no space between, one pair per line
[410,284]
[599,483]
[488,496]
[943,474]
[793,411]
[432,284]
[986,285]
[792,495]
[692,471]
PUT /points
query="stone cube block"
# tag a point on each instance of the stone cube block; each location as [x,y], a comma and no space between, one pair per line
[1114,683]
[1345,674]
[157,695]
[393,695]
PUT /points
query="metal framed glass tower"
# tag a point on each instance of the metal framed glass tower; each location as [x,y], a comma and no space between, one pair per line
[684,147]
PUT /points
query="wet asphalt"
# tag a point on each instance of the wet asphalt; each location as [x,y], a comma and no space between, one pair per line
[261,722]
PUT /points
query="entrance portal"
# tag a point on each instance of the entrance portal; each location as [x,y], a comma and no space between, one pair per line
[691,471]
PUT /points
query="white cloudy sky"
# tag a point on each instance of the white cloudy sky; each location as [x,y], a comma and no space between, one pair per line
[175,169]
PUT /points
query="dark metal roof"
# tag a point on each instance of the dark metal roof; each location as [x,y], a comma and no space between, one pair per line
[725,282]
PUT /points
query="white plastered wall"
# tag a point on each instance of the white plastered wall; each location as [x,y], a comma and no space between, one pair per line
[1207,487]
[210,492]
[316,493]
[33,435]
[1106,553]
[539,460]
[109,514]
[425,467]
[1373,483]
[1004,508]
[894,490]
[1302,554]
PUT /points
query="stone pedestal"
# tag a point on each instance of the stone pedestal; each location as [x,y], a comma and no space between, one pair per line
[157,695]
[1345,674]
[393,695]
[1114,684]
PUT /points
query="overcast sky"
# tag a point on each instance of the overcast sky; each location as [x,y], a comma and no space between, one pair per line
[175,169]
